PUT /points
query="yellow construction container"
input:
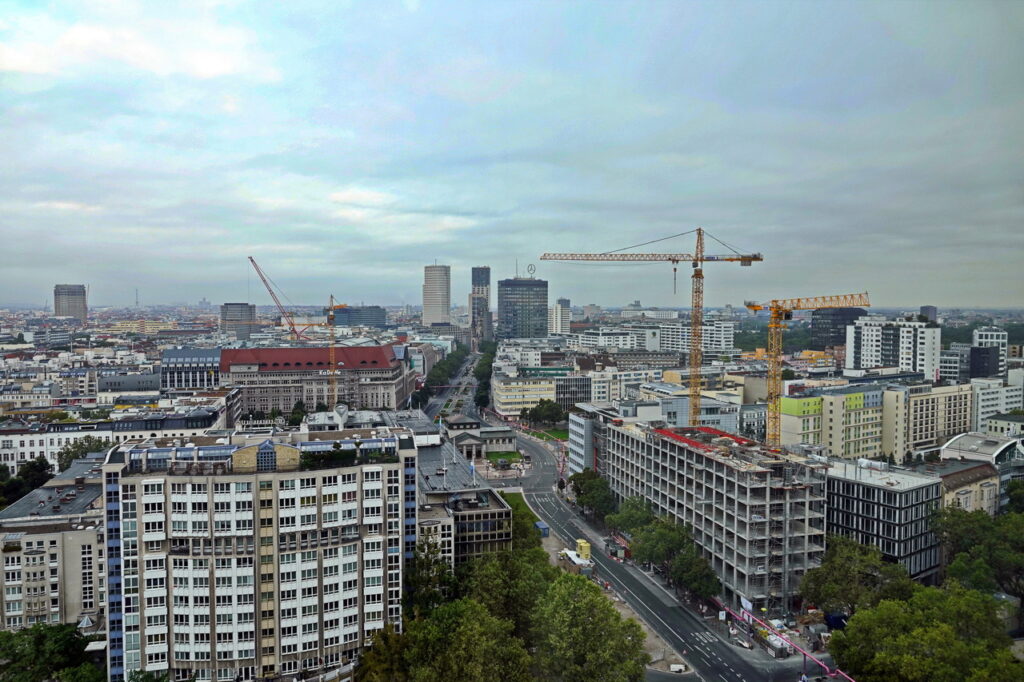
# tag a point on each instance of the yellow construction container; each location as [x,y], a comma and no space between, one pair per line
[583,549]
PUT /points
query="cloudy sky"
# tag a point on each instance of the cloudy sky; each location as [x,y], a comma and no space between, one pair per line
[344,145]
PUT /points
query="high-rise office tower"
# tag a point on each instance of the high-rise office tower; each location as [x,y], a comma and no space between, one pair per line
[480,304]
[828,326]
[69,300]
[559,317]
[237,318]
[522,308]
[437,294]
[930,312]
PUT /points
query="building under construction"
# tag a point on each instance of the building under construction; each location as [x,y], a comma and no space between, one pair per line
[756,514]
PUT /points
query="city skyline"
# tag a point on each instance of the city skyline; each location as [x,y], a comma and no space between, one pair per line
[344,160]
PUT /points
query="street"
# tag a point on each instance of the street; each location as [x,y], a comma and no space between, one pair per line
[682,629]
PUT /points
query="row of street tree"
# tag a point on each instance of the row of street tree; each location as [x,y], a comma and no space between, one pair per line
[440,374]
[508,616]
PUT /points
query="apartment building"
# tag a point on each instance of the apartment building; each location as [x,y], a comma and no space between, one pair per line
[1005,425]
[437,294]
[238,319]
[238,562]
[847,421]
[757,515]
[511,395]
[890,509]
[873,341]
[717,337]
[52,542]
[559,318]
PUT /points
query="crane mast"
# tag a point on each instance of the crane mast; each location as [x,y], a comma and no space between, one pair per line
[781,310]
[698,258]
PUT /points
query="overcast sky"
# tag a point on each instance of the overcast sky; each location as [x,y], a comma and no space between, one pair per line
[344,145]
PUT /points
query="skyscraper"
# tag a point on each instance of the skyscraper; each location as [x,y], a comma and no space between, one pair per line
[522,308]
[480,304]
[69,300]
[828,326]
[237,318]
[437,294]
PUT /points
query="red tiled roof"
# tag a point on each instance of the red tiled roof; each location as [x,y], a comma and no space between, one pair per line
[290,359]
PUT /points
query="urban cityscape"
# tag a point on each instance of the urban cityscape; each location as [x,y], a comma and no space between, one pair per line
[523,392]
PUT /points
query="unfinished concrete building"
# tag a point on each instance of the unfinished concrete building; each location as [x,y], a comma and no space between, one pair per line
[757,515]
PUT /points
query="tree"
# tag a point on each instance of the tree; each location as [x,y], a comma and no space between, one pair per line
[660,541]
[597,497]
[86,672]
[943,634]
[35,472]
[561,485]
[40,652]
[147,676]
[634,513]
[1015,490]
[578,480]
[429,580]
[384,661]
[854,576]
[547,412]
[580,636]
[788,374]
[80,448]
[463,642]
[691,569]
[321,407]
[997,542]
[510,584]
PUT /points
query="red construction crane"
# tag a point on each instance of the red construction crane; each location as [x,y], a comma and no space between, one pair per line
[289,320]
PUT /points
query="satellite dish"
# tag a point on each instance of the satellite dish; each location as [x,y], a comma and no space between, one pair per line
[531,268]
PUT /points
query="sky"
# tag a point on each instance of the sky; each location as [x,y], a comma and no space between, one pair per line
[858,146]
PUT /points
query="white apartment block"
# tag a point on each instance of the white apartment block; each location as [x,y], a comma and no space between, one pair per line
[717,337]
[437,294]
[52,542]
[918,419]
[993,336]
[992,397]
[757,515]
[559,317]
[238,562]
[912,346]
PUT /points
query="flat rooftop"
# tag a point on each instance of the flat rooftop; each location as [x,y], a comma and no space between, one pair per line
[441,468]
[896,479]
[40,502]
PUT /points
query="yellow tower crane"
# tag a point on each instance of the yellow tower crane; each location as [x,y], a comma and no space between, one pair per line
[697,258]
[781,310]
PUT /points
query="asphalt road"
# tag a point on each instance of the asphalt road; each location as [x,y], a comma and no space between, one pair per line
[683,630]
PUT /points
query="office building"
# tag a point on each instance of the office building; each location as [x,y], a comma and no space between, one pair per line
[244,561]
[889,509]
[189,368]
[930,313]
[437,294]
[361,316]
[992,397]
[828,326]
[238,319]
[757,515]
[717,338]
[559,318]
[69,300]
[365,377]
[1005,425]
[873,341]
[522,308]
[962,362]
[993,337]
[1006,454]
[918,419]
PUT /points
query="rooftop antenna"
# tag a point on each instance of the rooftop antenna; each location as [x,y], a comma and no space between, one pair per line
[136,297]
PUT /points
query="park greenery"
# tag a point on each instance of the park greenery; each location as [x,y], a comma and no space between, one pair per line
[507,616]
[901,630]
[657,540]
